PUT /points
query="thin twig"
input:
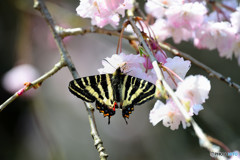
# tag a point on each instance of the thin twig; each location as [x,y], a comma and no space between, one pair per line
[35,83]
[209,70]
[40,5]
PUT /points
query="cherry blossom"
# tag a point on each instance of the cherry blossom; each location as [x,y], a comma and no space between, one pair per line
[163,30]
[103,12]
[128,63]
[179,67]
[192,92]
[218,35]
[194,89]
[157,8]
[189,15]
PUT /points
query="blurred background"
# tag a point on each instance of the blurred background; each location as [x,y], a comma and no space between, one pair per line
[50,123]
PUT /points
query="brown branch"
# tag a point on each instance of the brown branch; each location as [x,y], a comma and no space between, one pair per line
[219,143]
[212,73]
[33,84]
[64,32]
[41,7]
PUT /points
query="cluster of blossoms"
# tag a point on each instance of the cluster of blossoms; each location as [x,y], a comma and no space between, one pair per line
[192,20]
[216,28]
[103,12]
[192,91]
[180,20]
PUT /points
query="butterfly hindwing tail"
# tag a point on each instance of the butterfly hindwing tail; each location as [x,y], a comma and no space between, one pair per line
[135,91]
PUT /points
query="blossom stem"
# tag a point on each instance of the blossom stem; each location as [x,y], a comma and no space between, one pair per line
[171,92]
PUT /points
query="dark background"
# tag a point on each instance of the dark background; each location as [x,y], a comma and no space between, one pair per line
[53,124]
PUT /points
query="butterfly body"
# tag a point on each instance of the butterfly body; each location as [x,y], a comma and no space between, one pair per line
[111,91]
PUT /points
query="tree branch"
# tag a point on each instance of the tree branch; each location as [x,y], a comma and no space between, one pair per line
[64,32]
[212,73]
[34,84]
[40,5]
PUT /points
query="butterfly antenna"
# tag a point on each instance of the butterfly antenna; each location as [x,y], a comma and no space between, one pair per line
[129,71]
[109,63]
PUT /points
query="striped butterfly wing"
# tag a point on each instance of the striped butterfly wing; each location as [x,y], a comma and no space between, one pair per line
[135,91]
[95,88]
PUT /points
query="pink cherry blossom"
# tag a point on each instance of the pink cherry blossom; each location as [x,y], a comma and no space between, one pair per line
[192,92]
[179,67]
[167,113]
[163,30]
[176,65]
[194,89]
[128,62]
[218,35]
[157,8]
[139,73]
[189,15]
[103,12]
[179,34]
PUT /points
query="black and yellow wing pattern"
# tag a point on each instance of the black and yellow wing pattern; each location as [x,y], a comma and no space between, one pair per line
[113,90]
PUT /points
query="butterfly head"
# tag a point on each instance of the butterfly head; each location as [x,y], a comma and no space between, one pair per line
[121,69]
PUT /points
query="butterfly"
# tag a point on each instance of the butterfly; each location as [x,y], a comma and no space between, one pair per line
[113,90]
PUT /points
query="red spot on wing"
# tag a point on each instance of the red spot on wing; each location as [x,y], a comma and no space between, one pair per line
[114,106]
